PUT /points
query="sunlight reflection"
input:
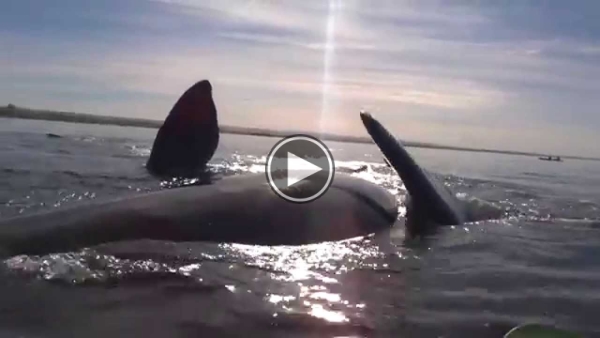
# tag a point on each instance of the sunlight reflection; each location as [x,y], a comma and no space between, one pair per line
[334,6]
[299,262]
[275,299]
[187,270]
[306,271]
[330,297]
[331,316]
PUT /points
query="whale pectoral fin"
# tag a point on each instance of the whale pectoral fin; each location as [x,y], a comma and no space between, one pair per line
[432,202]
[417,222]
[188,138]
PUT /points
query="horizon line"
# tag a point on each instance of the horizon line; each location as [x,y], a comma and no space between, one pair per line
[18,112]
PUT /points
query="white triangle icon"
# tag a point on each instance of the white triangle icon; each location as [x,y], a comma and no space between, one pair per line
[299,169]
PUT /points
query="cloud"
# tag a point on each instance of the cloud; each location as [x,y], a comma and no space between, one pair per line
[461,73]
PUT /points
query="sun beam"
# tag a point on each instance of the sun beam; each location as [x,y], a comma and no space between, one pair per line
[328,58]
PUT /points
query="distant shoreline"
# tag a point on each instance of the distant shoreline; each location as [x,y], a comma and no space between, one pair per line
[47,115]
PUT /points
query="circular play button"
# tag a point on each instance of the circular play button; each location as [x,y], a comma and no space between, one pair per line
[300,168]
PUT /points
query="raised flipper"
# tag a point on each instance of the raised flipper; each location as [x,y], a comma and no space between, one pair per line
[189,136]
[430,201]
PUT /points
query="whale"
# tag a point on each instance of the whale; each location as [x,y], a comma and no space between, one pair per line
[238,209]
[429,203]
[189,136]
[241,209]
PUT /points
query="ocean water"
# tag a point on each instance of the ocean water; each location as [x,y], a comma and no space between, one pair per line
[540,262]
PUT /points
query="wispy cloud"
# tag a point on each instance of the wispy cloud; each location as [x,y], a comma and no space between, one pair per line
[518,76]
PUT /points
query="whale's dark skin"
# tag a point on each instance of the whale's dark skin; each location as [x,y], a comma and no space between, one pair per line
[237,209]
[429,204]
[188,138]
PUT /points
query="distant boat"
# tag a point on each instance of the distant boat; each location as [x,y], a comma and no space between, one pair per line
[550,158]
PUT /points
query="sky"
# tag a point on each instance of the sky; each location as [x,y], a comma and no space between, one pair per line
[511,75]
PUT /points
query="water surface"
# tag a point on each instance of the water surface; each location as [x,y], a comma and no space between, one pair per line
[538,263]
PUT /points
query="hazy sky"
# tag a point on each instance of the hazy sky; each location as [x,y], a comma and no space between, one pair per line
[520,75]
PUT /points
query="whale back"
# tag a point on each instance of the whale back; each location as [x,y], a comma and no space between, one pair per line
[238,209]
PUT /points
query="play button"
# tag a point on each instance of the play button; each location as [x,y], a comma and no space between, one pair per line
[300,168]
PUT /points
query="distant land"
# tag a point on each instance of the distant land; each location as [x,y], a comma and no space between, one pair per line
[12,111]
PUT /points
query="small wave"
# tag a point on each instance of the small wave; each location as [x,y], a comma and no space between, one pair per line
[139,151]
[358,164]
[15,171]
[90,268]
[88,139]
[71,173]
[87,177]
[537,174]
